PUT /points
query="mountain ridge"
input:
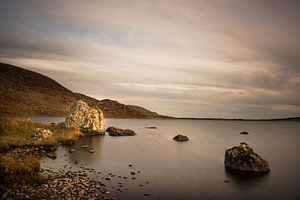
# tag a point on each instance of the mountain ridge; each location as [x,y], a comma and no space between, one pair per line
[27,93]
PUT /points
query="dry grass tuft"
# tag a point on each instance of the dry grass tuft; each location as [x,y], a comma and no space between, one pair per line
[16,170]
[17,133]
[8,125]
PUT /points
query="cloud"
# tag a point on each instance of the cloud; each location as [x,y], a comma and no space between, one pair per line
[184,58]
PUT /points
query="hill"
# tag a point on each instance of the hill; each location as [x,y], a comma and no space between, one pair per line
[27,93]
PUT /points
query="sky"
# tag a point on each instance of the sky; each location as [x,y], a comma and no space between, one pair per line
[183,58]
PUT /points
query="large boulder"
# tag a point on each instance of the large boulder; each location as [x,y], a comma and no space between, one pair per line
[243,158]
[114,131]
[181,138]
[89,119]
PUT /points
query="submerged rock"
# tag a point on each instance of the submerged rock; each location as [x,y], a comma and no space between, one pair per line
[243,158]
[181,138]
[114,131]
[151,127]
[89,119]
[41,133]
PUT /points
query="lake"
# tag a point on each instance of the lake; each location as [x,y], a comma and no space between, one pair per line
[188,170]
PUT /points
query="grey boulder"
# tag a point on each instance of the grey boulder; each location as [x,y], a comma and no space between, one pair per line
[114,131]
[243,158]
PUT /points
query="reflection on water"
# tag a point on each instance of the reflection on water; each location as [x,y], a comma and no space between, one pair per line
[190,170]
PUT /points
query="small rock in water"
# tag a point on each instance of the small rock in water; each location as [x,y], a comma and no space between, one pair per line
[226,181]
[132,173]
[72,150]
[92,150]
[181,138]
[130,165]
[146,194]
[244,133]
[108,178]
[151,127]
[52,155]
[84,146]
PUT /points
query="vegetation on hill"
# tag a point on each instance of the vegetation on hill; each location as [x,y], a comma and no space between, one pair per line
[27,93]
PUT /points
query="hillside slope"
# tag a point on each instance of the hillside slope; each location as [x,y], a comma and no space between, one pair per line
[27,93]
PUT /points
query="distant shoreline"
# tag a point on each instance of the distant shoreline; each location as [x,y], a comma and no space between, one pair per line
[296,119]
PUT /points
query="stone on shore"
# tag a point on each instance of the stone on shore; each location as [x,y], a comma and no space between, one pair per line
[89,119]
[181,138]
[114,131]
[243,158]
[41,133]
[63,186]
[52,155]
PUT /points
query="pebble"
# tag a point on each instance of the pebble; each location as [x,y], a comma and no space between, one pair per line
[92,150]
[52,155]
[72,150]
[60,187]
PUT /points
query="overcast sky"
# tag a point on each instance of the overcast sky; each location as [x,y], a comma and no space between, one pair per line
[185,58]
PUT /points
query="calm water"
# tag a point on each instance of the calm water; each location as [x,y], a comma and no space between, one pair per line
[190,170]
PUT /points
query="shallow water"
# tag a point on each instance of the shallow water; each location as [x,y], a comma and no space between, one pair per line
[193,169]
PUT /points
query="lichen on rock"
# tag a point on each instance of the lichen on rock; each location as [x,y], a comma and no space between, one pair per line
[41,133]
[89,119]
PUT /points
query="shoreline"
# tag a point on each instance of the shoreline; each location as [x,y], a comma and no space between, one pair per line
[294,119]
[20,169]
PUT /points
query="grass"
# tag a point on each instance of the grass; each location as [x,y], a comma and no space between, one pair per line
[17,133]
[14,170]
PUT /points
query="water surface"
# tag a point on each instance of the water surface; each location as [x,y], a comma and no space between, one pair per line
[193,169]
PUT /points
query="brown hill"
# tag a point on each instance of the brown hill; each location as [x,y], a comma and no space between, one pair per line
[27,93]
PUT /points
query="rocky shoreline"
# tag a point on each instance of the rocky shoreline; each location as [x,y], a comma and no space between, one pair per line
[64,184]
